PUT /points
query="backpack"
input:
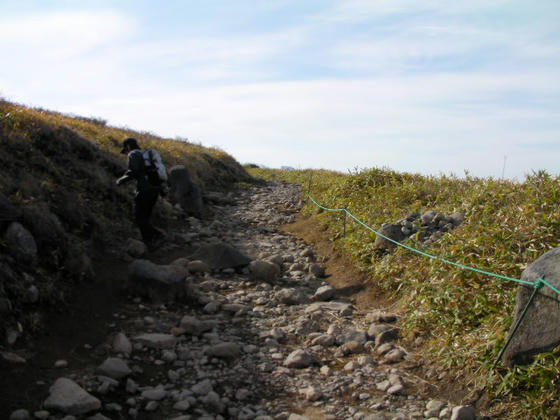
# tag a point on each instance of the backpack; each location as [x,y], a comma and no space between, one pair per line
[154,165]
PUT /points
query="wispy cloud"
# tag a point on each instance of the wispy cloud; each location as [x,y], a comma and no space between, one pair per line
[426,86]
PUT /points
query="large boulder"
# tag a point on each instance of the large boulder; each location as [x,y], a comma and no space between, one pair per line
[391,231]
[184,191]
[160,283]
[540,329]
[220,255]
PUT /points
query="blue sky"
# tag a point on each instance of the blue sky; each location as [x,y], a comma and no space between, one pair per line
[420,86]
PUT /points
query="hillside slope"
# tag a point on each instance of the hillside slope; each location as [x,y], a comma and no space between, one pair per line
[60,207]
[458,318]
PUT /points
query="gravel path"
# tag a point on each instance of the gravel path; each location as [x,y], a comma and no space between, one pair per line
[267,341]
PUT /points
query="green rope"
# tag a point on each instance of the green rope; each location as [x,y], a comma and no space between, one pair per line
[540,282]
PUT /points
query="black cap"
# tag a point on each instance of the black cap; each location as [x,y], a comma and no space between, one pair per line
[129,142]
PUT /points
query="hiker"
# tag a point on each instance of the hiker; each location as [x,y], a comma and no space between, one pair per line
[146,167]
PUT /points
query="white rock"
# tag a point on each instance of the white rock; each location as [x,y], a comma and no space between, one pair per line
[324,293]
[326,370]
[115,368]
[121,344]
[67,396]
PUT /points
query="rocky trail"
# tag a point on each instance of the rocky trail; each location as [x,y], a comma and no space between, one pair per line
[247,327]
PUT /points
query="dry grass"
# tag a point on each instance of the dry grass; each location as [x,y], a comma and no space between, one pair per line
[463,316]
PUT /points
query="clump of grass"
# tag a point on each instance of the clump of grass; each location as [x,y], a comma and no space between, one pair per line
[463,316]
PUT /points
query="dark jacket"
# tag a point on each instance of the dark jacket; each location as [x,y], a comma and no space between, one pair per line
[138,171]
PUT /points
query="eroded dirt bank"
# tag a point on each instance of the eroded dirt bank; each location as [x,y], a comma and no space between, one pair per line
[274,340]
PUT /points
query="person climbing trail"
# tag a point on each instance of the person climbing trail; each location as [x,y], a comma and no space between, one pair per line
[147,168]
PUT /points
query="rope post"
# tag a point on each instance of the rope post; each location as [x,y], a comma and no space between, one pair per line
[345,212]
[310,182]
[536,286]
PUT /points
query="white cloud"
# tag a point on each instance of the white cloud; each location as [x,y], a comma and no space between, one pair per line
[212,89]
[62,34]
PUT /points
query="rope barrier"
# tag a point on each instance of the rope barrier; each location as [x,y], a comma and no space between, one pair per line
[540,281]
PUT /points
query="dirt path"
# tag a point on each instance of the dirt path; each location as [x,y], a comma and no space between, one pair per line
[273,341]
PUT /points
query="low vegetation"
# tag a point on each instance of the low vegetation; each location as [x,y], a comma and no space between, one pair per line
[462,317]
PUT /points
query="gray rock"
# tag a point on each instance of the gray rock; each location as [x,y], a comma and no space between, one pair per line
[463,412]
[390,231]
[213,402]
[67,396]
[394,356]
[225,350]
[540,329]
[291,296]
[383,385]
[20,414]
[198,266]
[185,191]
[428,217]
[387,336]
[317,270]
[115,368]
[340,307]
[312,394]
[12,358]
[324,293]
[375,329]
[194,326]
[155,394]
[21,243]
[219,256]
[384,348]
[299,359]
[396,389]
[136,248]
[160,283]
[32,294]
[121,344]
[324,340]
[156,340]
[351,334]
[264,271]
[435,405]
[182,405]
[203,387]
[151,406]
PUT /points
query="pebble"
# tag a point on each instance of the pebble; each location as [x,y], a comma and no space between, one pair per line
[59,364]
[20,414]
